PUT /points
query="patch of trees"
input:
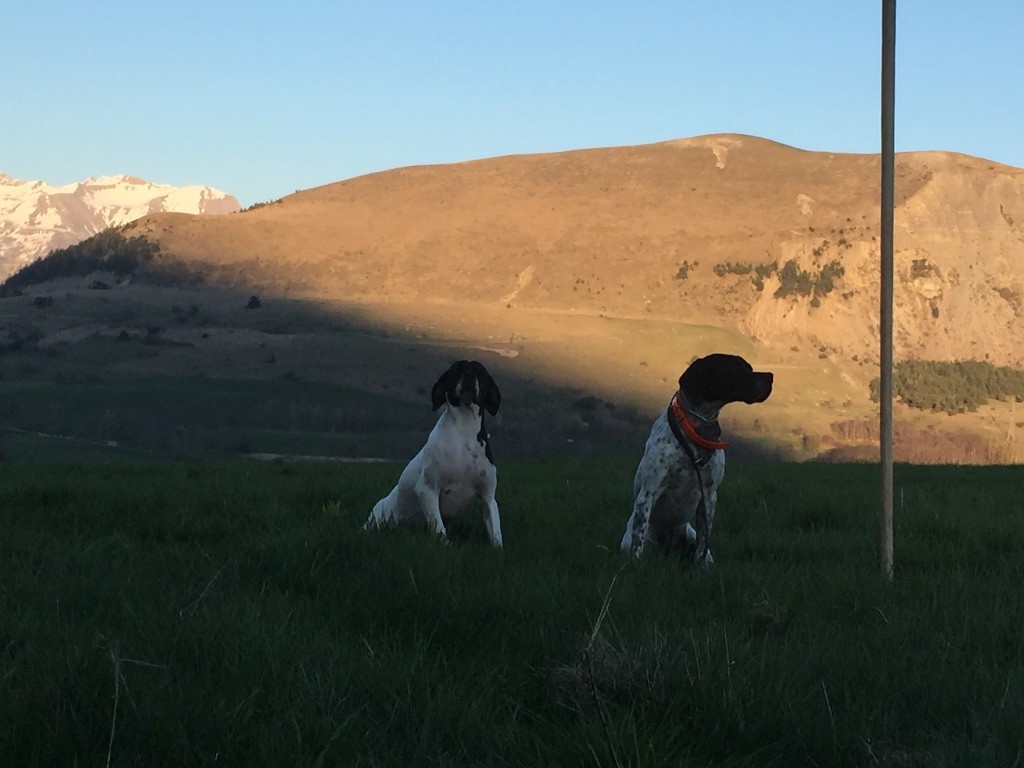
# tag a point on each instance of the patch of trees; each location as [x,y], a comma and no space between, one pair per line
[794,281]
[733,268]
[761,271]
[921,268]
[953,387]
[757,272]
[684,270]
[108,251]
[257,206]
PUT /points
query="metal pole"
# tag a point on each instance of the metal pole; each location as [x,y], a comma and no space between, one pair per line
[885,314]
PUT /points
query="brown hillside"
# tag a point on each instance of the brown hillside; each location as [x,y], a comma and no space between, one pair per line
[605,271]
[605,231]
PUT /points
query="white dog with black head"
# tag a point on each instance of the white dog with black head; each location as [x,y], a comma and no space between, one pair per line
[456,463]
[675,489]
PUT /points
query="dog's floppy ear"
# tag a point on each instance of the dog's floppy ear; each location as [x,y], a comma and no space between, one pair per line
[693,382]
[439,394]
[490,394]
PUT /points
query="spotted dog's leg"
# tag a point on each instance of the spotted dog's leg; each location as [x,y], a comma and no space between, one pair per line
[429,498]
[491,520]
[711,497]
[381,513]
[687,535]
[647,487]
[638,528]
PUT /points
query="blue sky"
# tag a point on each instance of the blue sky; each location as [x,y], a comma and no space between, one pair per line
[260,99]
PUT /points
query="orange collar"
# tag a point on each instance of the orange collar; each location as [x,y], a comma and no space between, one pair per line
[675,409]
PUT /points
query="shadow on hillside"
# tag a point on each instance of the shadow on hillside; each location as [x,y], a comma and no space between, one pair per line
[203,372]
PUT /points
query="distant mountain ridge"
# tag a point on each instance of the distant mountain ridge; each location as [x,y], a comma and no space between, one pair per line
[36,217]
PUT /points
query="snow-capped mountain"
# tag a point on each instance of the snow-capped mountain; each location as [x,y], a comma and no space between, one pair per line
[36,217]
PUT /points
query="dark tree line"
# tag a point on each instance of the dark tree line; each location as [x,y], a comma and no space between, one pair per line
[107,251]
[953,387]
[794,281]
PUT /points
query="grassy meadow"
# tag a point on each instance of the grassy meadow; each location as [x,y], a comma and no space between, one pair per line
[236,614]
[205,418]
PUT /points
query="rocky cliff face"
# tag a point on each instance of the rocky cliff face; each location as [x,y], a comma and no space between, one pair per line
[959,269]
[36,217]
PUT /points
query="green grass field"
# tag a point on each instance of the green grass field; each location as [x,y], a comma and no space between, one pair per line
[235,614]
[167,417]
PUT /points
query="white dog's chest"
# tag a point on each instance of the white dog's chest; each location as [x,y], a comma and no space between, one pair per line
[463,472]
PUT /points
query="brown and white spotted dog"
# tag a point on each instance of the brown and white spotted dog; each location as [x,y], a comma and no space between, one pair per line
[456,463]
[676,484]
